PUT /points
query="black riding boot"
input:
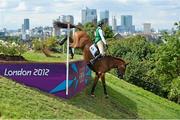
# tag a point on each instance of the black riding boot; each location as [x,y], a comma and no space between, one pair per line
[92,61]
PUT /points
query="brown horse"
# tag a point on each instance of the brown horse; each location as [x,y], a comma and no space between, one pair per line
[81,40]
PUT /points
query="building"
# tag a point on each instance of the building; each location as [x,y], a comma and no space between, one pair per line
[22,29]
[41,32]
[70,19]
[126,20]
[57,31]
[114,24]
[62,18]
[118,36]
[89,15]
[26,24]
[147,28]
[25,30]
[37,32]
[66,19]
[126,24]
[104,16]
[2,34]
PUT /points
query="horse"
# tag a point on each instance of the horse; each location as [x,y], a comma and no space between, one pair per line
[82,40]
[62,41]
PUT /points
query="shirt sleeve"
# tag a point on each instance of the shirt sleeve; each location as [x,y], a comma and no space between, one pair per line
[102,36]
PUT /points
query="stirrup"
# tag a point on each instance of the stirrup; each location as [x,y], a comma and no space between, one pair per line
[92,61]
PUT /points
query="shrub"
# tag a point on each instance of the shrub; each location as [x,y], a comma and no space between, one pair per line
[154,67]
[174,93]
[37,44]
[12,48]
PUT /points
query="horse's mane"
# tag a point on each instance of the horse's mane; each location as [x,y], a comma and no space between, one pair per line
[116,58]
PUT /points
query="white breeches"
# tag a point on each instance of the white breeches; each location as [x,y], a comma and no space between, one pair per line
[100,45]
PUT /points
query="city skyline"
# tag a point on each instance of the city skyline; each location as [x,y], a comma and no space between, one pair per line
[161,14]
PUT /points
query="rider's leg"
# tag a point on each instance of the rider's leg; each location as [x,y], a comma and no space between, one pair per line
[100,46]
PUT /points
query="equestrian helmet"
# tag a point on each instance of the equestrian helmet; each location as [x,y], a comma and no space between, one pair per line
[100,23]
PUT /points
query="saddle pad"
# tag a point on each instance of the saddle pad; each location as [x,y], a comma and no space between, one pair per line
[93,49]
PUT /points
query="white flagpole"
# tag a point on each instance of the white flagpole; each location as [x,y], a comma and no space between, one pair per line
[73,50]
[67,59]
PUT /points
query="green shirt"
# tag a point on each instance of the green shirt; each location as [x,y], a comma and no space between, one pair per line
[97,36]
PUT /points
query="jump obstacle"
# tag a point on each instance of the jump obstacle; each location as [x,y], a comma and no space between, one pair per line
[49,77]
[60,79]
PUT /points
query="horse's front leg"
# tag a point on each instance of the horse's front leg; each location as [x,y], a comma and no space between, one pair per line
[104,84]
[94,85]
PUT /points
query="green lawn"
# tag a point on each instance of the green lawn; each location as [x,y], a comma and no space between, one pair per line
[125,101]
[40,57]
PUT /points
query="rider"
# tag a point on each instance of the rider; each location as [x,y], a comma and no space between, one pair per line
[100,42]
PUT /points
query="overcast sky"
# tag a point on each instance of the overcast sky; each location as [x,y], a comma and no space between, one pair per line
[161,13]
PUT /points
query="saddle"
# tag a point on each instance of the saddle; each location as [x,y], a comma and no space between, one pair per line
[96,54]
[94,50]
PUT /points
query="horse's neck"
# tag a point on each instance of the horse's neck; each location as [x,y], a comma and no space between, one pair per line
[115,62]
[86,52]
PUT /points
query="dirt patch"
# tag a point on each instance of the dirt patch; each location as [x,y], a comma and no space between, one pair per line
[6,58]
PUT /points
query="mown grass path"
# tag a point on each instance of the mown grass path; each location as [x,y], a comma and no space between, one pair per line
[125,101]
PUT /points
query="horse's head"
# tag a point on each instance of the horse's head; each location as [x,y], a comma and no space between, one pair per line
[121,70]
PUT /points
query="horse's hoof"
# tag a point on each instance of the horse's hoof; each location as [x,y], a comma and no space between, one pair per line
[92,95]
[106,96]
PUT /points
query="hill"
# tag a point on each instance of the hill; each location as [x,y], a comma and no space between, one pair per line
[125,101]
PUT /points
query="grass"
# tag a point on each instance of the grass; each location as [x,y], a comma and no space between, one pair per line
[125,101]
[40,57]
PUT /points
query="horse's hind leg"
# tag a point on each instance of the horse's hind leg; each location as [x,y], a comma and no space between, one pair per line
[94,85]
[104,84]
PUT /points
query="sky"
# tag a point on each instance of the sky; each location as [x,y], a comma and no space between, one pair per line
[160,13]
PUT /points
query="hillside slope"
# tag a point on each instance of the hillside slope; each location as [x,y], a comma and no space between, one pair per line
[125,101]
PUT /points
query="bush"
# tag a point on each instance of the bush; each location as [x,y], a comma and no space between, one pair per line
[167,64]
[174,93]
[37,44]
[154,67]
[50,42]
[138,51]
[12,48]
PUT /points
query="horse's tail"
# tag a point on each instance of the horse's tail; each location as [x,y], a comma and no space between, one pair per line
[58,24]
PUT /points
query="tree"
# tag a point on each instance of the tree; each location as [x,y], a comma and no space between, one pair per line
[138,51]
[90,28]
[108,32]
[154,67]
[167,62]
[177,24]
[174,93]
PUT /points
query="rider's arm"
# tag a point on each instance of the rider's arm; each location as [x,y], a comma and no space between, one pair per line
[102,37]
